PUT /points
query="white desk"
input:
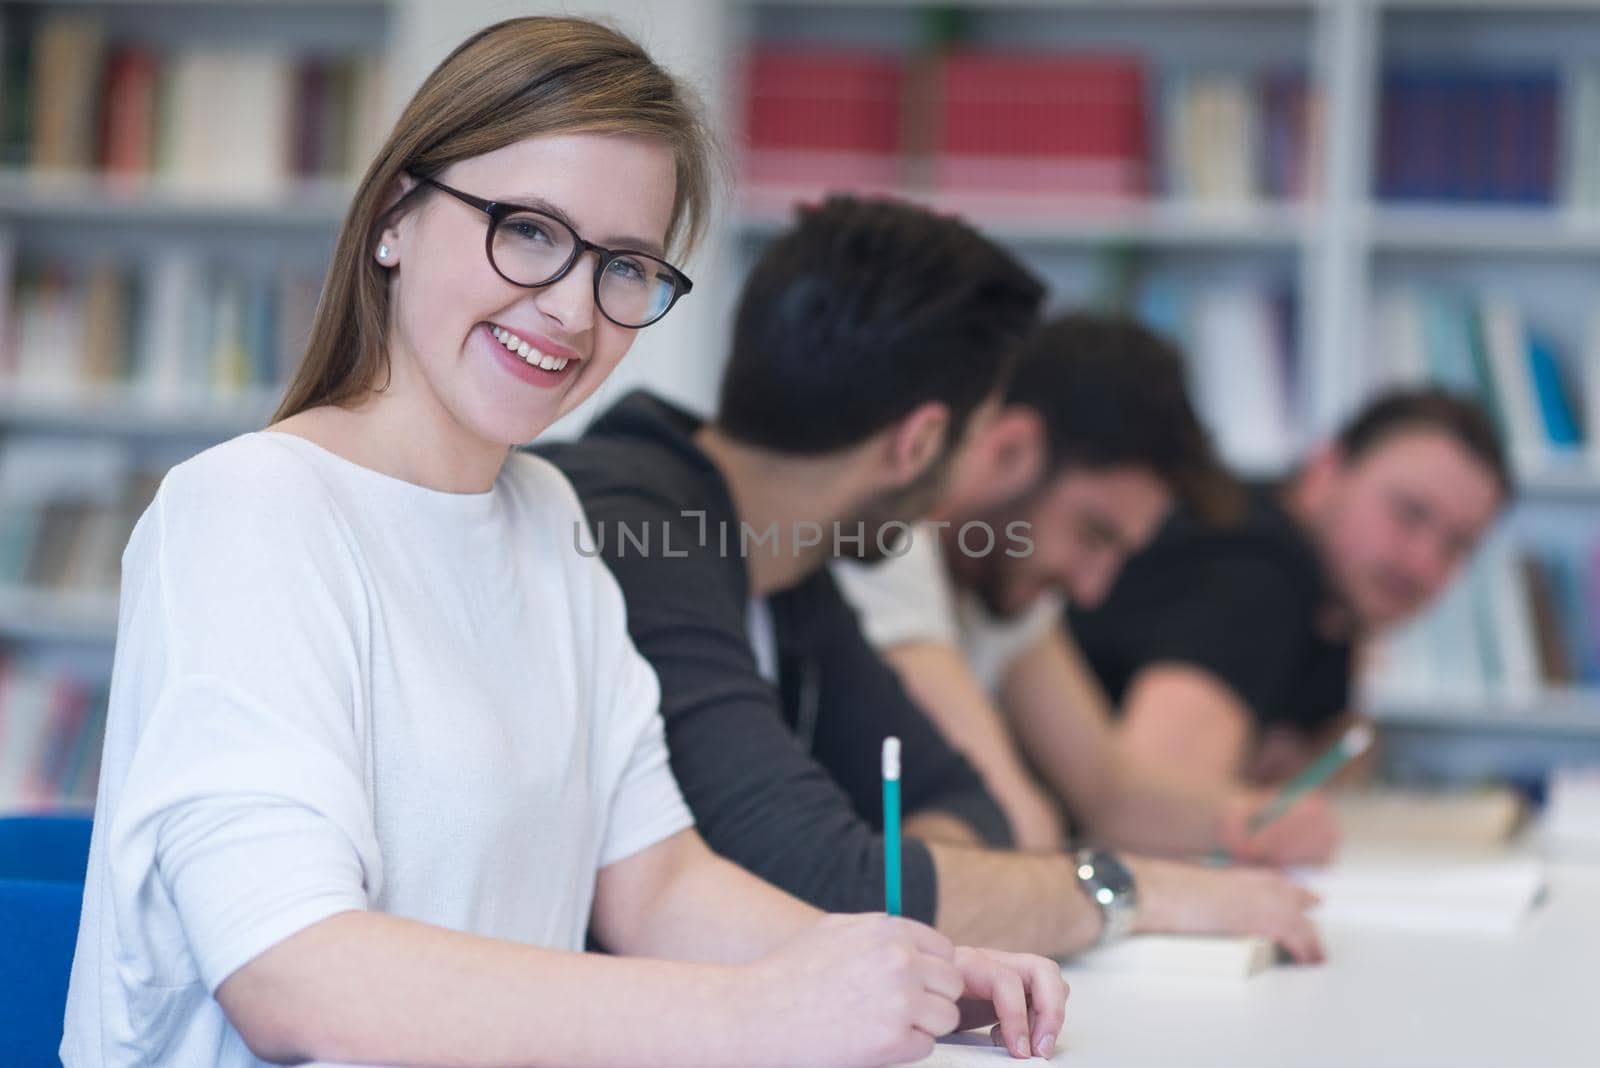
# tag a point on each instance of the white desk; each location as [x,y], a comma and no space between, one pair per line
[1383,998]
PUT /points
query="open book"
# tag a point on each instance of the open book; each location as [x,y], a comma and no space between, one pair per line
[1422,890]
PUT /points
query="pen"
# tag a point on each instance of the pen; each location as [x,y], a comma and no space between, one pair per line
[891,826]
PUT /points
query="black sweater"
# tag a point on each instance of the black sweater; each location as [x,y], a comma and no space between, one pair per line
[783,780]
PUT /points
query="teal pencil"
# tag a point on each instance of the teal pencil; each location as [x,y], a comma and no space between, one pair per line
[1351,744]
[891,826]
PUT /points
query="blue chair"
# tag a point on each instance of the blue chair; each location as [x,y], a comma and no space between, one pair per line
[52,848]
[40,925]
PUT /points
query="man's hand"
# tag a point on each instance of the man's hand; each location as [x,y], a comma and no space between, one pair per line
[1189,899]
[1024,993]
[1306,833]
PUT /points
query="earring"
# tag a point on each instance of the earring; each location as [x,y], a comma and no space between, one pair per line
[383,252]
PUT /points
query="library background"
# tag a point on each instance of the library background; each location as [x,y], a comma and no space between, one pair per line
[1317,197]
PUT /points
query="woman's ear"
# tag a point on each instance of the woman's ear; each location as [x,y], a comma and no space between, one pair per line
[387,251]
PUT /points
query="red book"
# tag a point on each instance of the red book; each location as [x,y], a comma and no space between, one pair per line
[1042,123]
[829,116]
[128,111]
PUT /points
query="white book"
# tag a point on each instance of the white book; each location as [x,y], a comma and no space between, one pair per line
[1511,617]
[1505,340]
[1402,346]
[228,132]
[1590,377]
[171,286]
[1571,824]
[1456,654]
[1184,956]
[1242,388]
[1419,892]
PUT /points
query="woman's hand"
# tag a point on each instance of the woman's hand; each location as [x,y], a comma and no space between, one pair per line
[1023,995]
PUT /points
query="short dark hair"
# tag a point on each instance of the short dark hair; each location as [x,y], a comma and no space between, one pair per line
[1457,415]
[860,313]
[1113,393]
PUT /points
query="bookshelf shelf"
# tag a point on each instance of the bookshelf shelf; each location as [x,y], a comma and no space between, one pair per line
[1565,711]
[125,413]
[87,198]
[1044,221]
[33,615]
[1485,230]
[1579,483]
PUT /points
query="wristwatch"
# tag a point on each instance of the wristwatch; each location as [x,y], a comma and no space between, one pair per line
[1109,885]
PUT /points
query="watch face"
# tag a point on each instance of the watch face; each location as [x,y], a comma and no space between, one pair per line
[1108,871]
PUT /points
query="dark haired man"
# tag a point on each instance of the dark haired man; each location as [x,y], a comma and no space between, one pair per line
[1095,441]
[870,342]
[1230,651]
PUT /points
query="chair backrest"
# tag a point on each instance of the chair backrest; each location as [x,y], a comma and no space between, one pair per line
[40,925]
[52,848]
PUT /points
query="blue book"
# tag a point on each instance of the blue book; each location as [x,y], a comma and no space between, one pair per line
[1560,425]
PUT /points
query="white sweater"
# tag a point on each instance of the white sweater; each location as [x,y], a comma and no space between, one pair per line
[338,690]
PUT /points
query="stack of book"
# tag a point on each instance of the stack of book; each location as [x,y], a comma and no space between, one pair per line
[1542,403]
[176,328]
[1467,135]
[233,119]
[1056,125]
[52,726]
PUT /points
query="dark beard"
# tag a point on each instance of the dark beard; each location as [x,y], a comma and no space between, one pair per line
[910,503]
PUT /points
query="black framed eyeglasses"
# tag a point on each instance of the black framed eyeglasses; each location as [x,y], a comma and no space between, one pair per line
[532,248]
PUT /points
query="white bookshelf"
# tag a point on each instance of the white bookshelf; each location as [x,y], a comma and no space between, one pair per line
[1334,250]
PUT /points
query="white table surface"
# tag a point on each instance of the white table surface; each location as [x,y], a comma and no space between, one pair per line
[1383,998]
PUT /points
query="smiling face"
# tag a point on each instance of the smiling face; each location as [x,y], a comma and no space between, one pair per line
[1085,523]
[490,360]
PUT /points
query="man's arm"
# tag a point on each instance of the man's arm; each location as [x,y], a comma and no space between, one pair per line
[1183,717]
[1061,717]
[937,677]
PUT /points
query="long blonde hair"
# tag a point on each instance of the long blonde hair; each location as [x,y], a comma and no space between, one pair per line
[517,79]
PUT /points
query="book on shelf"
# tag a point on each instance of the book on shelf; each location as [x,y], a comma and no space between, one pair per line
[1065,125]
[1521,622]
[824,118]
[177,327]
[1469,135]
[971,122]
[67,509]
[1233,137]
[52,727]
[1542,403]
[1580,138]
[222,118]
[1240,339]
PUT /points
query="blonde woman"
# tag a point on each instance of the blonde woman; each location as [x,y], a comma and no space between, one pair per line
[380,752]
